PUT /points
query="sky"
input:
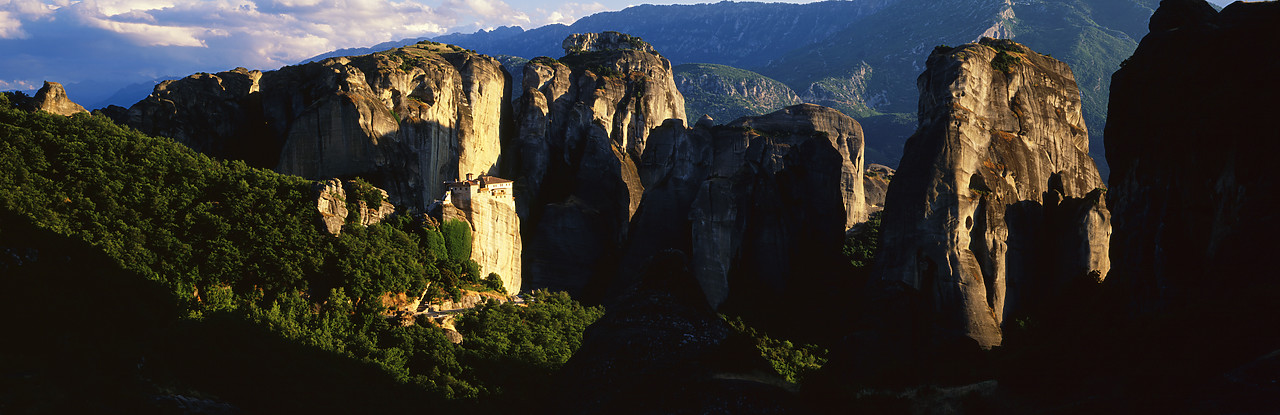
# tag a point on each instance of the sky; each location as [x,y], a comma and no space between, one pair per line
[96,46]
[119,41]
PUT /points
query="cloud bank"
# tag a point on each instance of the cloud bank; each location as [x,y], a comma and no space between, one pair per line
[125,41]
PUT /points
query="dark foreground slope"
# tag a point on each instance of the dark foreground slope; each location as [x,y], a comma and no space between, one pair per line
[142,276]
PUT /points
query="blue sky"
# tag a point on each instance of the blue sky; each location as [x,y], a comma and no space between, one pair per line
[115,42]
[125,41]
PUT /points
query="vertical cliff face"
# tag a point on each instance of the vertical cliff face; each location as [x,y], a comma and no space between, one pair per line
[583,123]
[215,114]
[996,202]
[488,206]
[758,203]
[407,119]
[1191,140]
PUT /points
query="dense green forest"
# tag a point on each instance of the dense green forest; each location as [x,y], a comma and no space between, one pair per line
[161,273]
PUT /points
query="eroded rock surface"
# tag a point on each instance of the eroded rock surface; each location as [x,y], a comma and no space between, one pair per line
[1191,139]
[605,41]
[756,203]
[331,203]
[487,204]
[52,98]
[583,124]
[407,119]
[996,203]
[876,182]
[336,201]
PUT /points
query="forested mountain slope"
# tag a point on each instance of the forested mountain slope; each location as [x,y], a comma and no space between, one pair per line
[195,277]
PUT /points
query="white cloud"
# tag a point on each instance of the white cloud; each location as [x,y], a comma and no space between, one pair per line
[490,13]
[28,8]
[568,13]
[127,41]
[13,12]
[115,7]
[257,33]
[10,26]
[16,85]
[152,35]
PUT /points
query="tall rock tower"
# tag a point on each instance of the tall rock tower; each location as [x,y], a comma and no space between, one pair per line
[996,202]
[760,204]
[488,205]
[406,119]
[583,123]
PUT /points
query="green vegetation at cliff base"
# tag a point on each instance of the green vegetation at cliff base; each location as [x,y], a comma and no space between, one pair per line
[140,272]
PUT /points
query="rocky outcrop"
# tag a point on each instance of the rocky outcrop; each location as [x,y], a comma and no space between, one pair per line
[337,201]
[331,202]
[406,119]
[583,122]
[605,41]
[216,114]
[756,203]
[487,204]
[468,300]
[1191,141]
[996,203]
[372,208]
[876,184]
[51,98]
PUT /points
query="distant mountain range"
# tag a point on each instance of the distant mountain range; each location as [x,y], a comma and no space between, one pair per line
[861,57]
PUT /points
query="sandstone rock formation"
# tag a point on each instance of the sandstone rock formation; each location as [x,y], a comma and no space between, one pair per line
[216,114]
[876,182]
[373,209]
[605,41]
[53,99]
[758,202]
[406,119]
[336,201]
[996,202]
[488,205]
[331,202]
[583,122]
[1192,142]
